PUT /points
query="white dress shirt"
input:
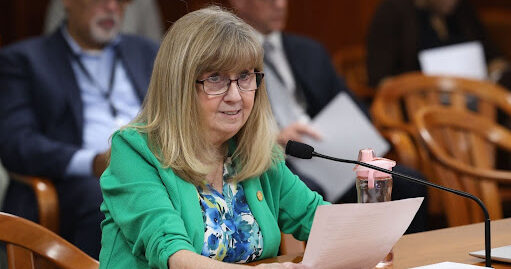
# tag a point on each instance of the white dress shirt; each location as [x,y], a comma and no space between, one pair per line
[282,94]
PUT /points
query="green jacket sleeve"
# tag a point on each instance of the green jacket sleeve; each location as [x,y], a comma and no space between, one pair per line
[138,201]
[297,204]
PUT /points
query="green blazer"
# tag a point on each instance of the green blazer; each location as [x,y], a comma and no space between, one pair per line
[151,213]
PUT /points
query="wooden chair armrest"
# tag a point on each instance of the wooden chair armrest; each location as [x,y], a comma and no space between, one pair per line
[47,199]
[24,238]
[468,121]
[501,176]
[383,121]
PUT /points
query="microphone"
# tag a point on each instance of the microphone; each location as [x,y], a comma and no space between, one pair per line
[304,151]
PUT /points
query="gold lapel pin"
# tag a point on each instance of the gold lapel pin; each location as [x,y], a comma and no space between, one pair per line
[259,195]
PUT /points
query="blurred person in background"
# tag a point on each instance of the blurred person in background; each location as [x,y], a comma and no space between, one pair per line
[142,17]
[61,97]
[301,81]
[300,77]
[400,29]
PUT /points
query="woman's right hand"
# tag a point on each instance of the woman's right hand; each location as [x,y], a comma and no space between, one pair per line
[285,265]
[295,132]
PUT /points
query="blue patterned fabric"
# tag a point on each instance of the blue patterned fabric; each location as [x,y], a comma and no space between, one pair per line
[231,232]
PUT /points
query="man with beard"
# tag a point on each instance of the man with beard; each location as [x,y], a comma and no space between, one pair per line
[61,97]
[142,17]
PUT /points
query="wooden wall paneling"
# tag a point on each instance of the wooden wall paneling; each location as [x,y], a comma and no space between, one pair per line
[334,23]
[172,10]
[497,23]
[20,19]
[4,21]
[491,3]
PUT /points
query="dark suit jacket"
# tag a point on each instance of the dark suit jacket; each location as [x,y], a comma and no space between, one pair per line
[316,79]
[393,38]
[41,111]
[314,73]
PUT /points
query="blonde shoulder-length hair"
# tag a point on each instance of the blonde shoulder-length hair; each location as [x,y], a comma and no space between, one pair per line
[210,39]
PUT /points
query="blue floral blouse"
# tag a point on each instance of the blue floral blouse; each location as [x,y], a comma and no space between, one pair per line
[231,232]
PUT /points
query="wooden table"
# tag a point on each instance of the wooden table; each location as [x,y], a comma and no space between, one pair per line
[450,244]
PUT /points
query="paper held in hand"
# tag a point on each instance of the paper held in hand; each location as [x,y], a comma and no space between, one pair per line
[357,235]
[463,60]
[345,130]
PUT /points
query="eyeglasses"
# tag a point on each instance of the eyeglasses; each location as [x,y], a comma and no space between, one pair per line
[219,84]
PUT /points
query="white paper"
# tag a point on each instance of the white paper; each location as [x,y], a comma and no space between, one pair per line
[357,235]
[502,254]
[463,60]
[448,265]
[345,130]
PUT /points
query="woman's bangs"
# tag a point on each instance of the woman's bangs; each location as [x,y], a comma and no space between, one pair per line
[233,54]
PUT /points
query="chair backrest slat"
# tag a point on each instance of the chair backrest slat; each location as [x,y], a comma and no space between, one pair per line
[19,257]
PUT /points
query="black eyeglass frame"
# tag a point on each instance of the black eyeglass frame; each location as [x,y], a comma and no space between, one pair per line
[258,83]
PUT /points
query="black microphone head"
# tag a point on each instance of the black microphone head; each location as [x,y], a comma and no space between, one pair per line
[299,150]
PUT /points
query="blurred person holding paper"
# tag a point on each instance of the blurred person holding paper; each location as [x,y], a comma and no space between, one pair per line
[301,82]
[436,37]
[198,179]
[401,29]
[300,77]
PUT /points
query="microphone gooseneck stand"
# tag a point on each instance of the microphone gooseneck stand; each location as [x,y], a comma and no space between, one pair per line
[304,151]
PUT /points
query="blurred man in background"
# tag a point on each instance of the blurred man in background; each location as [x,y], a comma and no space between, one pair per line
[142,17]
[299,76]
[301,81]
[61,97]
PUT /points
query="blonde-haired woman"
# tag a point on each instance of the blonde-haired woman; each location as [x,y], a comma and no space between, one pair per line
[197,180]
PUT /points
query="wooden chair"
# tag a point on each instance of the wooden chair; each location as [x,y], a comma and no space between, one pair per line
[461,147]
[350,62]
[399,98]
[47,199]
[26,241]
